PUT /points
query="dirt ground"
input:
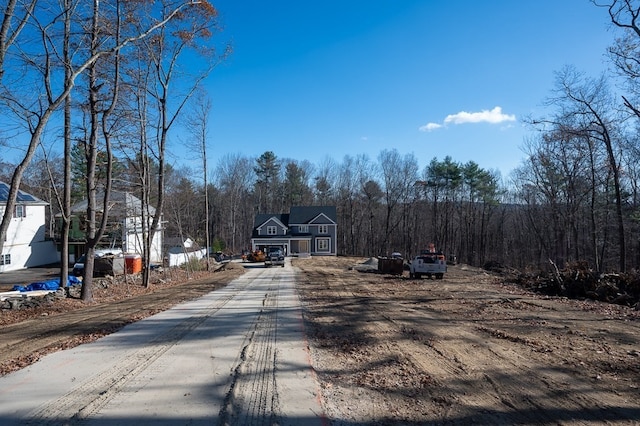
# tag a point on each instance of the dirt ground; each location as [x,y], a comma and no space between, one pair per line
[468,349]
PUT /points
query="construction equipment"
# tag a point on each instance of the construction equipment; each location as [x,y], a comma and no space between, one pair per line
[256,256]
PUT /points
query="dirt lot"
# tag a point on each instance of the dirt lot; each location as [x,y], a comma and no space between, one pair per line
[390,350]
[466,350]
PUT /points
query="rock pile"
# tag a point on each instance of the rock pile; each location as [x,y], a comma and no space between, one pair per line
[26,301]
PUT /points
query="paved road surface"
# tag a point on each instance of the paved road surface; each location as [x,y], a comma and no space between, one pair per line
[234,357]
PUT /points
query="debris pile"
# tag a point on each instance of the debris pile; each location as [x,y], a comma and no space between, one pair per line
[24,301]
[578,281]
[369,265]
[37,294]
[42,295]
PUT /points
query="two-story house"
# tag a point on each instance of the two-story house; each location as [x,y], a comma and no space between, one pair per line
[124,229]
[303,231]
[25,244]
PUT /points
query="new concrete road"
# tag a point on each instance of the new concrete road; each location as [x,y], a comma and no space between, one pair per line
[236,356]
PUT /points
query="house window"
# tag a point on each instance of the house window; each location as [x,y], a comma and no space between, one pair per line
[272,230]
[5,259]
[323,229]
[303,228]
[20,211]
[323,244]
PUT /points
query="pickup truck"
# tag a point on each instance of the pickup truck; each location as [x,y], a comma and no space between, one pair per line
[274,256]
[428,264]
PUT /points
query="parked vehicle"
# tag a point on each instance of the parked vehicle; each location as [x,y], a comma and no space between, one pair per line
[275,256]
[428,263]
[221,257]
[100,268]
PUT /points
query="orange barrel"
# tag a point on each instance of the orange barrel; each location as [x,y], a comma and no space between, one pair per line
[133,263]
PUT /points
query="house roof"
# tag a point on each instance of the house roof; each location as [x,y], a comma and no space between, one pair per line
[23,197]
[261,218]
[120,203]
[301,215]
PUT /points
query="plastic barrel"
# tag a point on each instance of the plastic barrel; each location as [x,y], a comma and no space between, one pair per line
[133,263]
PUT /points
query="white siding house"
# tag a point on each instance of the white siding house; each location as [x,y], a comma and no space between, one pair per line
[125,226]
[25,244]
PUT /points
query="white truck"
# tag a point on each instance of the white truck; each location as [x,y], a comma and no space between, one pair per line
[428,263]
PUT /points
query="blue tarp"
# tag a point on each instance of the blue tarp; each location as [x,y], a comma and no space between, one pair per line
[47,285]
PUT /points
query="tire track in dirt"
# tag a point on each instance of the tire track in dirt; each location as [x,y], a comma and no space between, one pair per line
[253,395]
[491,371]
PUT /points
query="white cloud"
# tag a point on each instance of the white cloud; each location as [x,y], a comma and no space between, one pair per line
[429,127]
[485,116]
[494,116]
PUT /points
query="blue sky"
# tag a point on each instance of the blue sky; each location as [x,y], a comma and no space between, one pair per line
[311,80]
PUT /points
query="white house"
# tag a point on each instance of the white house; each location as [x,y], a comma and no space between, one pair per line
[124,226]
[25,245]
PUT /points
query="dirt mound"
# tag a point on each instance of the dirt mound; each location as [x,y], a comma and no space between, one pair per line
[368,265]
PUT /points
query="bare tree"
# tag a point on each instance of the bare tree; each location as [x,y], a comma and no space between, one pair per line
[65,200]
[324,181]
[368,194]
[15,17]
[399,175]
[551,186]
[189,33]
[100,111]
[198,126]
[39,61]
[587,103]
[346,192]
[234,176]
[625,53]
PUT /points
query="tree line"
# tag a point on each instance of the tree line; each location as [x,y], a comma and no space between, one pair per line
[90,92]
